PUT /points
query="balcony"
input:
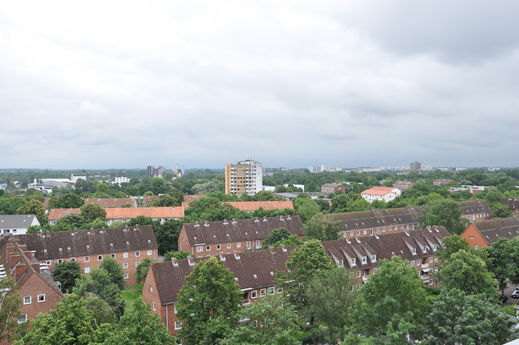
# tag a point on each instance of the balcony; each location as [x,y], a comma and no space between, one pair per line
[424,266]
[425,277]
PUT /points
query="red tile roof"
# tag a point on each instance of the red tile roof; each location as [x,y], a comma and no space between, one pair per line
[250,206]
[378,190]
[58,213]
[152,212]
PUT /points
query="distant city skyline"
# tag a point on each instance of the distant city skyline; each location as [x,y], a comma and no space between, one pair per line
[292,84]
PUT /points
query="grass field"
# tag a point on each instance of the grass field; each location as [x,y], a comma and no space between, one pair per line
[131,294]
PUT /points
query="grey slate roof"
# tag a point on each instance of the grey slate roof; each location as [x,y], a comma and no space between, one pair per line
[375,218]
[494,229]
[240,230]
[65,244]
[16,221]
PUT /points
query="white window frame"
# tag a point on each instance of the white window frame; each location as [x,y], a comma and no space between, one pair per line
[38,297]
[87,270]
[137,254]
[199,249]
[263,292]
[178,325]
[100,258]
[218,246]
[125,255]
[126,276]
[24,320]
[254,294]
[207,248]
[150,252]
[137,263]
[125,265]
[270,291]
[30,300]
[238,245]
[87,258]
[112,255]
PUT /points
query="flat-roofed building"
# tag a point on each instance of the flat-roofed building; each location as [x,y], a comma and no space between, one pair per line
[245,177]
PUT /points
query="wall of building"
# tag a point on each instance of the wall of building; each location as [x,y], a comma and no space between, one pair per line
[474,237]
[33,287]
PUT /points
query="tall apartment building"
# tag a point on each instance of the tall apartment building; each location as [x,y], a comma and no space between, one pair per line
[415,166]
[244,177]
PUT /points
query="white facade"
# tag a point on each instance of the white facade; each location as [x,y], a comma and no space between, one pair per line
[121,179]
[254,176]
[17,224]
[382,196]
[75,177]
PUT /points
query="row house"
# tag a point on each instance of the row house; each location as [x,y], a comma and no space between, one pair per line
[251,206]
[442,182]
[237,235]
[332,188]
[17,224]
[123,214]
[513,204]
[403,185]
[483,234]
[112,202]
[385,194]
[128,246]
[254,272]
[376,222]
[475,210]
[39,293]
[362,255]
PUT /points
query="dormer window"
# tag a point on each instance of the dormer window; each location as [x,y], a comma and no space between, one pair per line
[413,251]
[364,259]
[352,262]
[373,258]
[435,247]
[340,263]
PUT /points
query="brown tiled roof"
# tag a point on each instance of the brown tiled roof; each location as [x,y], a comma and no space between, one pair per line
[111,202]
[240,230]
[474,207]
[386,246]
[250,206]
[378,190]
[45,277]
[513,204]
[152,212]
[190,198]
[65,244]
[375,218]
[58,213]
[492,230]
[252,270]
[149,199]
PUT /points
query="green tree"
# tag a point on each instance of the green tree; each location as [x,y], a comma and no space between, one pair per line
[305,263]
[70,324]
[500,211]
[167,234]
[306,207]
[340,203]
[274,236]
[208,303]
[140,326]
[271,323]
[452,244]
[72,221]
[66,273]
[180,255]
[140,220]
[320,229]
[158,186]
[10,304]
[142,270]
[443,212]
[468,272]
[392,304]
[35,207]
[173,198]
[69,200]
[291,241]
[312,187]
[92,211]
[99,282]
[101,311]
[458,318]
[330,297]
[115,271]
[503,260]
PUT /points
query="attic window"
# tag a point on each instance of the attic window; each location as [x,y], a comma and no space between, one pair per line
[352,261]
[364,259]
[255,276]
[373,258]
[413,250]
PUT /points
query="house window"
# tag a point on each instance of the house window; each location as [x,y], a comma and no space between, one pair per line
[137,263]
[199,249]
[149,252]
[238,245]
[87,269]
[262,292]
[280,290]
[151,289]
[253,294]
[358,274]
[258,244]
[125,265]
[175,308]
[99,258]
[126,276]
[125,255]
[113,256]
[48,262]
[27,300]
[248,245]
[73,259]
[271,290]
[364,259]
[178,324]
[41,297]
[22,318]
[352,261]
[154,306]
[137,254]
[87,258]
[60,261]
[340,263]
[218,247]
[228,246]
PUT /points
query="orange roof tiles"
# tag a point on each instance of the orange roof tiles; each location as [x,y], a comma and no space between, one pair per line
[378,190]
[152,212]
[58,213]
[250,206]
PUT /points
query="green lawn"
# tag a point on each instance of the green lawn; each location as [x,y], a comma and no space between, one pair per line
[131,294]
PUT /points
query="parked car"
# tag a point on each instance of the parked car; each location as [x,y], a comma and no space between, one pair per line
[515,294]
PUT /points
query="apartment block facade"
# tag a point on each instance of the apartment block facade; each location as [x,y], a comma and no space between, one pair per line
[243,177]
[484,233]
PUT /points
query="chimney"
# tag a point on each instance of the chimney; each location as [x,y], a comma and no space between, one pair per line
[256,220]
[196,224]
[265,219]
[190,260]
[225,222]
[174,262]
[233,221]
[206,223]
[281,219]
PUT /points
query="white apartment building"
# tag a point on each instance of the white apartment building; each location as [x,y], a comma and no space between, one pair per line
[243,177]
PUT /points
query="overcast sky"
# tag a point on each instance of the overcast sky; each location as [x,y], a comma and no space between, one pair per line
[100,84]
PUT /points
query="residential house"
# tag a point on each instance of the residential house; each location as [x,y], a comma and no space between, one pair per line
[237,235]
[123,214]
[17,224]
[128,246]
[376,222]
[251,206]
[385,194]
[475,210]
[483,234]
[442,182]
[362,255]
[403,185]
[332,188]
[513,204]
[38,291]
[254,272]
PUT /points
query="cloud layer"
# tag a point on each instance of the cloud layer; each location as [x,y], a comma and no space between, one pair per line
[290,83]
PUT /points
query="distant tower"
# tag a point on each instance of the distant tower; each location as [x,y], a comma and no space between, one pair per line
[415,166]
[244,177]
